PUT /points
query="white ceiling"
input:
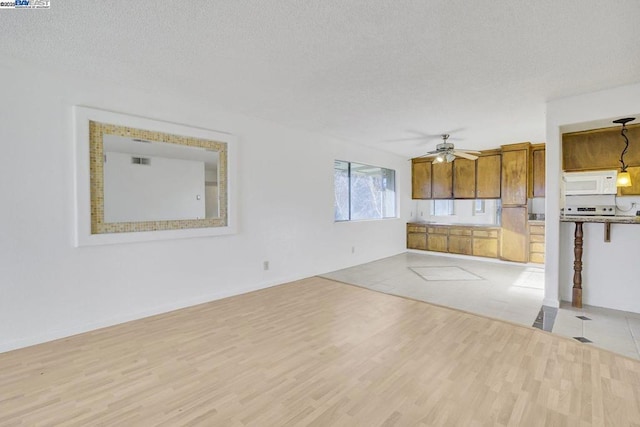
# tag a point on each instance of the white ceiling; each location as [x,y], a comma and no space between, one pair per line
[376,72]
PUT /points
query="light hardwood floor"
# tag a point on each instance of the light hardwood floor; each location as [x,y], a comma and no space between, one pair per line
[320,353]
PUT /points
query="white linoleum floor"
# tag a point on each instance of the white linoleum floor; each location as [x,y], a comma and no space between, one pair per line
[507,291]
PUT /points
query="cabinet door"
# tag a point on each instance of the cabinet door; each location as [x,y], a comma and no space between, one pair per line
[437,242]
[485,247]
[417,241]
[464,179]
[538,173]
[442,180]
[460,245]
[514,177]
[515,243]
[421,179]
[488,177]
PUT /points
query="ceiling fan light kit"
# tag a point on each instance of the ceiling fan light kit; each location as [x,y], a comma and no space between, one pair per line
[446,151]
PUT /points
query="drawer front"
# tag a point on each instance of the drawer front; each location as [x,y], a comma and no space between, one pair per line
[486,233]
[536,229]
[460,232]
[437,230]
[537,258]
[416,229]
[537,247]
[536,238]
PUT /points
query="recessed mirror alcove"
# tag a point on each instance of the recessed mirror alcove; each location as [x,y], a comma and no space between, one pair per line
[139,179]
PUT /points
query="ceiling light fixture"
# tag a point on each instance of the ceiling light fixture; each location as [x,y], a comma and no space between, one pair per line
[624,179]
[449,157]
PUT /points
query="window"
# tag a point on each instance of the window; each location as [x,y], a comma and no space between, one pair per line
[442,207]
[363,191]
[479,207]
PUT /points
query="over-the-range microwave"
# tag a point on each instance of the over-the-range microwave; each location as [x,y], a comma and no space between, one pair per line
[588,183]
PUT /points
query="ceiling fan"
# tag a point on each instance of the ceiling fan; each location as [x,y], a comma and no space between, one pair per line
[445,151]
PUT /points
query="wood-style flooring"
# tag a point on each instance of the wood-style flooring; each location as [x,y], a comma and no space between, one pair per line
[318,353]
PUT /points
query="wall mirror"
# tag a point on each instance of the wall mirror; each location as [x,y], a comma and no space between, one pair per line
[139,179]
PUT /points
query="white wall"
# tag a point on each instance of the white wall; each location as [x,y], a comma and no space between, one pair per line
[49,289]
[164,189]
[610,270]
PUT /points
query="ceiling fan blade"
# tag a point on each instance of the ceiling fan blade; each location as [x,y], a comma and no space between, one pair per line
[427,155]
[468,151]
[464,155]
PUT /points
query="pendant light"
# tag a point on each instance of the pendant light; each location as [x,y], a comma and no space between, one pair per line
[624,179]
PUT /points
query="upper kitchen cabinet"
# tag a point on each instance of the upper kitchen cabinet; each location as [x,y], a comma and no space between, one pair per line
[488,176]
[442,180]
[515,159]
[421,179]
[538,170]
[599,149]
[464,179]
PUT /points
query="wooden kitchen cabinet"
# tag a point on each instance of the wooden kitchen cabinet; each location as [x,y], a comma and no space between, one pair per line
[417,241]
[442,180]
[437,238]
[421,179]
[536,242]
[538,171]
[457,239]
[514,174]
[599,149]
[514,240]
[460,245]
[464,179]
[416,237]
[485,247]
[488,177]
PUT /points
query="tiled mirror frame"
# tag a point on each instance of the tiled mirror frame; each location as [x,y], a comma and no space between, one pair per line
[90,125]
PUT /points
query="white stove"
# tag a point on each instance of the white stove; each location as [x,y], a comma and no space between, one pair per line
[594,205]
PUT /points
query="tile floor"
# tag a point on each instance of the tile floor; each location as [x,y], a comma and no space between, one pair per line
[507,291]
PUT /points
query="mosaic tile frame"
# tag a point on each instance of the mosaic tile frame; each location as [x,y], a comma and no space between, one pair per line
[97,130]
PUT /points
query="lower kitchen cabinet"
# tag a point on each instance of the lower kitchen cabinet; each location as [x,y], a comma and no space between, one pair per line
[437,238]
[417,241]
[416,237]
[465,240]
[485,243]
[515,235]
[536,242]
[460,245]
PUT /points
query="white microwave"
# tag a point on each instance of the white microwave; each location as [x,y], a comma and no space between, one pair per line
[592,182]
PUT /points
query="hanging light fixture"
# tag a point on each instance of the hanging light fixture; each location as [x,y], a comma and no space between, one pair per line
[624,179]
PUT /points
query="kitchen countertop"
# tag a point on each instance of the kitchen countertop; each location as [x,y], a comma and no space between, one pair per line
[427,223]
[601,219]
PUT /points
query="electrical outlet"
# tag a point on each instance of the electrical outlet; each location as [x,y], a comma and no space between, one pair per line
[353,249]
[265,265]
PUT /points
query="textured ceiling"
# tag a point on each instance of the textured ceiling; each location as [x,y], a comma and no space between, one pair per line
[382,73]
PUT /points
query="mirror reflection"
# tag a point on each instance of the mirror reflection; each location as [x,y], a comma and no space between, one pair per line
[157,181]
[145,181]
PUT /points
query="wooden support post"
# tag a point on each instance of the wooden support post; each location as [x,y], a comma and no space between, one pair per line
[577,267]
[607,232]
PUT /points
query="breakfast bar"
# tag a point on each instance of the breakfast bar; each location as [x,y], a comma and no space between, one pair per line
[578,243]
